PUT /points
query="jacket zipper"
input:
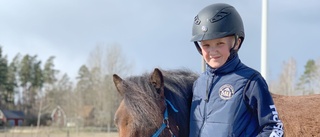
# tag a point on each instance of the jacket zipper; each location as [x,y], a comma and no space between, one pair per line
[205,106]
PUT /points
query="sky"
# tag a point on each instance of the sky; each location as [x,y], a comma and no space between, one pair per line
[153,33]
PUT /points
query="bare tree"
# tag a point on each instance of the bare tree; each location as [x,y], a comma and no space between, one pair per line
[103,62]
[288,77]
[286,81]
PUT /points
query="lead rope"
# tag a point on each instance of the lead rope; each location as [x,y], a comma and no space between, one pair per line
[165,122]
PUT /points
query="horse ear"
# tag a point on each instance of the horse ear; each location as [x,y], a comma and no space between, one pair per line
[118,82]
[157,80]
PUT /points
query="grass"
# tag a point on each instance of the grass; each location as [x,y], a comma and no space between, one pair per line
[54,132]
[79,134]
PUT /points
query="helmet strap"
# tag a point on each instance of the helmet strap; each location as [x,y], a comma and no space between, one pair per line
[198,47]
[233,52]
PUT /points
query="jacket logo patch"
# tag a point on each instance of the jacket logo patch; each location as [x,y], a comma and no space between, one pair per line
[226,91]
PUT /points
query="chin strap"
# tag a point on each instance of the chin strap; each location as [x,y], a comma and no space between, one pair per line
[198,47]
[233,52]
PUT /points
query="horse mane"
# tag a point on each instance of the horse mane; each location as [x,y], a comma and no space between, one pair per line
[143,105]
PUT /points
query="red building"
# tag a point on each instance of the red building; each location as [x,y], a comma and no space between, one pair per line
[11,118]
[58,117]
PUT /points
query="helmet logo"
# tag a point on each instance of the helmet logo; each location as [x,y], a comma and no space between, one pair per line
[220,15]
[204,28]
[196,20]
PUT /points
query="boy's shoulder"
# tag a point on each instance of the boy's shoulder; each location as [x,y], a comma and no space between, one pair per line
[246,71]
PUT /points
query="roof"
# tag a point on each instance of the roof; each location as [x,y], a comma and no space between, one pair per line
[58,108]
[13,114]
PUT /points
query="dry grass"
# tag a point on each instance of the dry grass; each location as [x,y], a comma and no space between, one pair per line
[80,134]
[51,132]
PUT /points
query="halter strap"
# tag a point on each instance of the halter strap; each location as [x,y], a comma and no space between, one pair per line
[165,123]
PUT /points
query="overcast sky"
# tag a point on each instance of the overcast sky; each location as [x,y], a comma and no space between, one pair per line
[152,33]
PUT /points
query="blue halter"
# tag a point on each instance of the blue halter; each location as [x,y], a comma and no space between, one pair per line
[165,123]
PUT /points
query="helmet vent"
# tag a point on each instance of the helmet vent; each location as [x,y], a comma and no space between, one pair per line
[196,20]
[220,15]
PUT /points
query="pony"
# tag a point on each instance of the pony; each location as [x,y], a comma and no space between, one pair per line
[155,104]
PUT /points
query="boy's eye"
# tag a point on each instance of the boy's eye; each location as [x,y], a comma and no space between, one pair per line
[220,43]
[205,46]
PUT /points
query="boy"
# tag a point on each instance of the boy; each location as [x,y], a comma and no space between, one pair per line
[229,98]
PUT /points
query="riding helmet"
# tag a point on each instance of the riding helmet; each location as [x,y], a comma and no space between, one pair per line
[217,21]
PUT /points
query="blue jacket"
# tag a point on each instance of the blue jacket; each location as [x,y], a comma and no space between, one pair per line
[221,109]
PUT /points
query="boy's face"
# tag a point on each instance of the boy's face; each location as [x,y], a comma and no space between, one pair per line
[216,51]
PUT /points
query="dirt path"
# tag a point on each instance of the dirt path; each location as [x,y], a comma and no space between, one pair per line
[300,114]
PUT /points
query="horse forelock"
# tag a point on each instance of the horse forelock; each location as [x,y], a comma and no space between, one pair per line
[140,100]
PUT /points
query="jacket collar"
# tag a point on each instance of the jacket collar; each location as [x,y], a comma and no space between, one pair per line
[228,67]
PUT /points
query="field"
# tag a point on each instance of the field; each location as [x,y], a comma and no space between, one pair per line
[49,132]
[300,114]
[59,135]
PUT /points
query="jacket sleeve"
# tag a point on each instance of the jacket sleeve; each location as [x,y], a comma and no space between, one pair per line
[261,101]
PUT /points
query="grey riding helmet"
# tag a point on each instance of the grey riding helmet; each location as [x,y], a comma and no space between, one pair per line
[217,21]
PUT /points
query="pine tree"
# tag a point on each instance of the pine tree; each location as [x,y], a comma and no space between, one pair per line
[3,80]
[307,79]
